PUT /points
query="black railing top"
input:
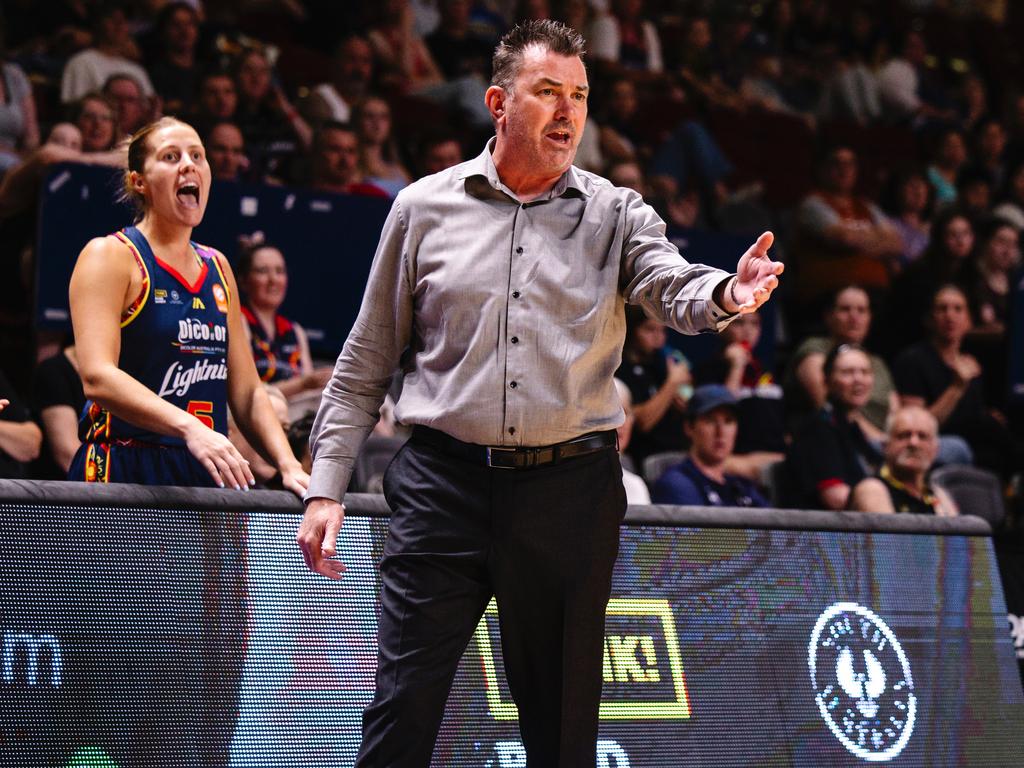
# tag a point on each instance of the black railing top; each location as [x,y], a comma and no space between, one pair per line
[73,494]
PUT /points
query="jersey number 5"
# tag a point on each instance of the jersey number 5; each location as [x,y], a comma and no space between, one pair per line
[202,410]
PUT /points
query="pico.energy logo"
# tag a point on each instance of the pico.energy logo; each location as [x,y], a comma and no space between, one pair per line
[862,682]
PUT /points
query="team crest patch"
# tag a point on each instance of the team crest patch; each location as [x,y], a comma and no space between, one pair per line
[220,297]
[862,682]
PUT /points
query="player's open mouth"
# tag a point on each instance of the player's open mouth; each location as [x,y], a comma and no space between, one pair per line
[188,194]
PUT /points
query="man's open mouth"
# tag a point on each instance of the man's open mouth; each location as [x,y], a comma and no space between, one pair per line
[562,137]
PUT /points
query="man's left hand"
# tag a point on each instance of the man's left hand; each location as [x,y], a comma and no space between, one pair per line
[756,278]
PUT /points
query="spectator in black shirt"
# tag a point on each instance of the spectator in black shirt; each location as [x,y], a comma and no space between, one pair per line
[939,375]
[456,49]
[58,401]
[659,385]
[20,438]
[830,454]
[174,68]
[901,484]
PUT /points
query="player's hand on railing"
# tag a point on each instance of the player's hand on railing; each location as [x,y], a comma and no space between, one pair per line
[318,536]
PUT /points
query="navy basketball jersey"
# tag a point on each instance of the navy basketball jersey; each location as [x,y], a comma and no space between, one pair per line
[174,339]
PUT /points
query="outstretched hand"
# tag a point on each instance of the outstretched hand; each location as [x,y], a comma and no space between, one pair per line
[756,276]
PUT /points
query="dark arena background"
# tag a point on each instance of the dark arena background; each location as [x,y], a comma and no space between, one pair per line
[882,141]
[172,627]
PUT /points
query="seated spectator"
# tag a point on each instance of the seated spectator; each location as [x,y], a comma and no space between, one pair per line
[279,346]
[113,52]
[762,87]
[693,161]
[351,78]
[625,42]
[406,66]
[974,191]
[335,163]
[700,71]
[378,154]
[636,488]
[1011,199]
[19,127]
[173,64]
[265,473]
[989,279]
[455,45]
[848,321]
[902,81]
[939,375]
[659,384]
[439,152]
[620,123]
[843,237]
[901,484]
[909,303]
[58,401]
[134,109]
[20,438]
[830,453]
[96,117]
[990,140]
[218,100]
[225,151]
[908,201]
[273,128]
[760,441]
[700,479]
[948,159]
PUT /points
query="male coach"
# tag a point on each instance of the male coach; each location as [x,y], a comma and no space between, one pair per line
[499,287]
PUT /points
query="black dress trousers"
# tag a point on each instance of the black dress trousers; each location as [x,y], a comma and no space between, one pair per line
[543,541]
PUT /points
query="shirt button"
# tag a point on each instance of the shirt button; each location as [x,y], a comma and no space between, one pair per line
[513,384]
[515,294]
[515,339]
[511,430]
[519,249]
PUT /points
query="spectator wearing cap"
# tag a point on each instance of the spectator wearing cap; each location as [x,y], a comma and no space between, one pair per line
[114,52]
[700,479]
[901,484]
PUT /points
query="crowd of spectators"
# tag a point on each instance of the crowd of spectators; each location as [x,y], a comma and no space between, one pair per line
[882,142]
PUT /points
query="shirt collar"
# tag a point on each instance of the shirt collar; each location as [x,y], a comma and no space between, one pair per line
[482,167]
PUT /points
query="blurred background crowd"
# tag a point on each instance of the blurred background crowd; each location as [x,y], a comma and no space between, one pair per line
[883,142]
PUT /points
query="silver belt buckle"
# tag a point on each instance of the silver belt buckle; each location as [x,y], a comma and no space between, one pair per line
[490,453]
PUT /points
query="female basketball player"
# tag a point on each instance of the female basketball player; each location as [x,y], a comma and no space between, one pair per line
[160,339]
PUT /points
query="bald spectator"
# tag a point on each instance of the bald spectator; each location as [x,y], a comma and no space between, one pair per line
[700,479]
[335,163]
[351,78]
[113,52]
[901,484]
[225,150]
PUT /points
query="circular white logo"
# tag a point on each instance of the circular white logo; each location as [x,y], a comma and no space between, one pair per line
[862,682]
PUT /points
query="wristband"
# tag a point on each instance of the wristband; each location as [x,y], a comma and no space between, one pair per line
[732,291]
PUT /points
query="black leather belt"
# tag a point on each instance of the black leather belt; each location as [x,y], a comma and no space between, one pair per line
[516,458]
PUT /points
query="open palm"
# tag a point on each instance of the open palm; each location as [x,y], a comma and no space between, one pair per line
[756,275]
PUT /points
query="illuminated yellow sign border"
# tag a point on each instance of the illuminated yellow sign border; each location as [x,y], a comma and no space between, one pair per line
[610,710]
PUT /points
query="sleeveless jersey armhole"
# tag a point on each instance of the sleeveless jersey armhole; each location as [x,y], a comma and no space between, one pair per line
[215,256]
[136,306]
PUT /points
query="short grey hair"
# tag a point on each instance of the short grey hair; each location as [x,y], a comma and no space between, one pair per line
[554,36]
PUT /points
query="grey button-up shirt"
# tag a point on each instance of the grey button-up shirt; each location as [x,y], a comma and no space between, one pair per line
[507,318]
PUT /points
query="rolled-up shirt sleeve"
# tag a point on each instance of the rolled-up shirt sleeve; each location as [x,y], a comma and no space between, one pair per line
[657,277]
[351,402]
